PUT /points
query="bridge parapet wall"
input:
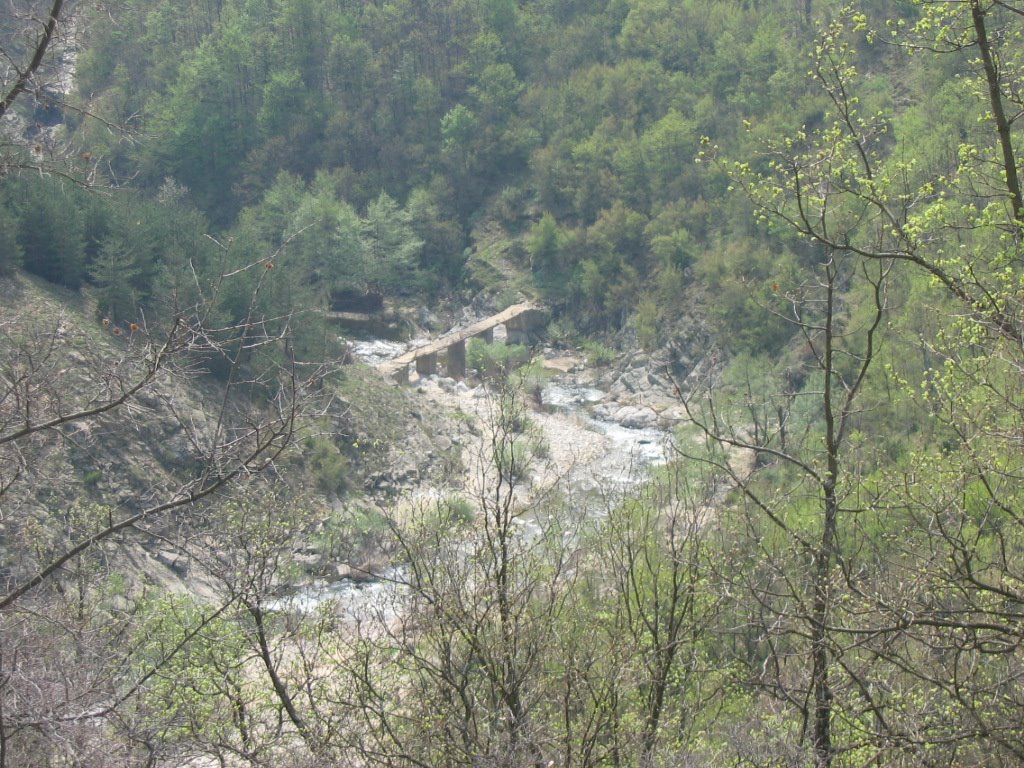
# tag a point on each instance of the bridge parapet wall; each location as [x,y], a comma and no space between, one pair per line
[523,324]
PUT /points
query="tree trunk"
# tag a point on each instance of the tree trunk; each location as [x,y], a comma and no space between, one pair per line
[995,98]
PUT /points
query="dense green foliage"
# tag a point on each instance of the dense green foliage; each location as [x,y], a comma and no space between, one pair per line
[586,115]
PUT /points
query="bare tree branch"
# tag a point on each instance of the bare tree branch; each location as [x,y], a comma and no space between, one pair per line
[42,44]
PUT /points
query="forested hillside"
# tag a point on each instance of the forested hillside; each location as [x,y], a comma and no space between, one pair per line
[575,125]
[828,572]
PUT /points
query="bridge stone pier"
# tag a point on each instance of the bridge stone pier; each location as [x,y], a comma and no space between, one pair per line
[523,323]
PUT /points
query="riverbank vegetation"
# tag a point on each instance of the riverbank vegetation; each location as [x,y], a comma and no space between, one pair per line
[827,573]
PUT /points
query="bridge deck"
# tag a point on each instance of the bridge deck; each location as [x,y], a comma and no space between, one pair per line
[453,337]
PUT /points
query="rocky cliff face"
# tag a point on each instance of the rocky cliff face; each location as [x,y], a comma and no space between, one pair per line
[100,422]
[57,360]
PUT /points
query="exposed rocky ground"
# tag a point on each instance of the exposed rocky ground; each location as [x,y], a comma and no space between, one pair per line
[640,392]
[59,359]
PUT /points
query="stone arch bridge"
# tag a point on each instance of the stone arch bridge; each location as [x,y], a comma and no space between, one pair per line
[522,323]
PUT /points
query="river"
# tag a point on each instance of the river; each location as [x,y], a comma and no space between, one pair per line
[594,458]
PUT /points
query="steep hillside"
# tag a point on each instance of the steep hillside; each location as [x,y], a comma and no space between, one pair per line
[114,434]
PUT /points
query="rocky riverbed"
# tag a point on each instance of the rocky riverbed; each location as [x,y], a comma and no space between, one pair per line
[597,425]
[602,430]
